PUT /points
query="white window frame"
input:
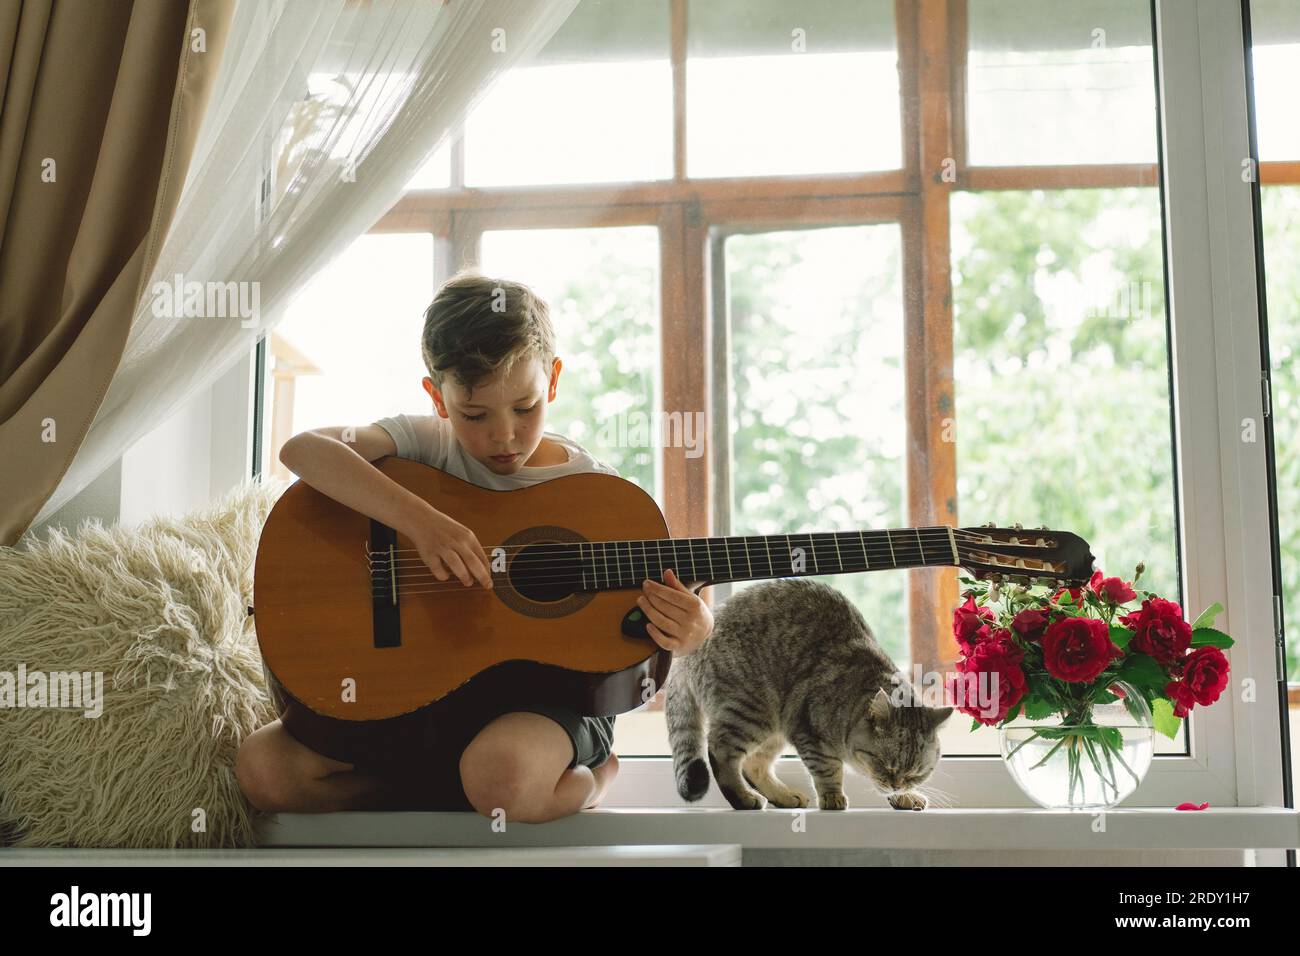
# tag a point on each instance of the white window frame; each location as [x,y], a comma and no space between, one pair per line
[1222,481]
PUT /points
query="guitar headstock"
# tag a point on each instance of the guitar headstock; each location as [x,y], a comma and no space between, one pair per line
[1025,555]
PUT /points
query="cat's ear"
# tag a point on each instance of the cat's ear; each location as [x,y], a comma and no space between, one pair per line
[880,708]
[937,715]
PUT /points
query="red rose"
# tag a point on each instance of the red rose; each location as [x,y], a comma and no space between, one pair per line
[1077,593]
[1205,675]
[1078,649]
[1159,630]
[994,664]
[1030,623]
[1002,636]
[967,623]
[1074,593]
[1116,591]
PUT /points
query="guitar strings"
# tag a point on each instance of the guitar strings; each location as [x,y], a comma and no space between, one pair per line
[437,586]
[941,530]
[411,558]
[551,549]
[425,581]
[730,541]
[556,549]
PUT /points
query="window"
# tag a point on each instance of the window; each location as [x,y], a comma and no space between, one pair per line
[756,80]
[909,262]
[1275,57]
[348,349]
[595,105]
[815,404]
[602,289]
[1059,83]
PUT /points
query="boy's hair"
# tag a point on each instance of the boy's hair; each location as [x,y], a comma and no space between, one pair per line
[478,326]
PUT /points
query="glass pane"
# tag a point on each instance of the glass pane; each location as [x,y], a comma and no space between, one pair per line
[348,349]
[602,289]
[767,82]
[595,105]
[1280,210]
[816,409]
[436,173]
[1275,52]
[1058,83]
[1061,376]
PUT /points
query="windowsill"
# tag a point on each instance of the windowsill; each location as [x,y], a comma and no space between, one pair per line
[1147,828]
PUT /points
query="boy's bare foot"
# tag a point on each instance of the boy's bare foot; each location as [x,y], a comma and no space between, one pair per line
[604,775]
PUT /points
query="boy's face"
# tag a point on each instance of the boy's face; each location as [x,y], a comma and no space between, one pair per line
[506,414]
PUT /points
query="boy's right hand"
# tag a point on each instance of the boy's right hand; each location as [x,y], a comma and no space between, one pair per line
[444,543]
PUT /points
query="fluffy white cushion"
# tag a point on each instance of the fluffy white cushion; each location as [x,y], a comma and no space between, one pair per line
[159,610]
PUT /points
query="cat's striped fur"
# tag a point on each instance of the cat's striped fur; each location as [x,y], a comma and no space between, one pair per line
[793,660]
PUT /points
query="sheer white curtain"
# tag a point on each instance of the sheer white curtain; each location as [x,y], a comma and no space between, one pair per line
[323,110]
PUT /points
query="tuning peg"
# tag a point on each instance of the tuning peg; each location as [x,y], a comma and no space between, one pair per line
[1017,526]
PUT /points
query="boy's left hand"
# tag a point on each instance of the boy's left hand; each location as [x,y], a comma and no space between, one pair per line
[680,620]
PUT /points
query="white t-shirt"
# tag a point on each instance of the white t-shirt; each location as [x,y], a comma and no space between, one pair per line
[430,439]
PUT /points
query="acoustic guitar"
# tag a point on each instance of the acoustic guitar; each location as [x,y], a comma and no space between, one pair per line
[356,629]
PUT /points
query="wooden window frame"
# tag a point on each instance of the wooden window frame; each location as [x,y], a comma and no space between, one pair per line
[690,214]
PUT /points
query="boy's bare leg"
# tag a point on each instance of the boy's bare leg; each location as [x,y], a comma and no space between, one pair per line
[279,774]
[519,763]
[604,775]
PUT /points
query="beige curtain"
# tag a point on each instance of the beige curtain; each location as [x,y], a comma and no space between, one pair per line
[100,104]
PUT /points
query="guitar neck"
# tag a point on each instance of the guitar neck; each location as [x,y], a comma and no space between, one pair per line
[618,565]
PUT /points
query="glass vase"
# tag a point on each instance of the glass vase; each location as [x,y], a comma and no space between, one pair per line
[1089,759]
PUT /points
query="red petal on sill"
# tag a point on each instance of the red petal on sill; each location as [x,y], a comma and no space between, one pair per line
[1191,806]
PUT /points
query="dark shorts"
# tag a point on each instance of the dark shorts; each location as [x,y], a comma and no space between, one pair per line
[426,776]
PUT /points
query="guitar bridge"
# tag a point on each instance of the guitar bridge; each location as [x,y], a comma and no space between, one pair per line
[387,621]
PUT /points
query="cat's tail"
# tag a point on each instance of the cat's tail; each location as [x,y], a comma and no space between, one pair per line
[685,722]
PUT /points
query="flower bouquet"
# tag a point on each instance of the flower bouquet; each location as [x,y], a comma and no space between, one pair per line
[1077,681]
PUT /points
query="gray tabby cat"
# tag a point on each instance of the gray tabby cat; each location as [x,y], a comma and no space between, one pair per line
[793,660]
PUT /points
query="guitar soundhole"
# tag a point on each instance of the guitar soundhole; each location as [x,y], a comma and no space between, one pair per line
[545,571]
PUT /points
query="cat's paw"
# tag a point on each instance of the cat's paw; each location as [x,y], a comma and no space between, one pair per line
[790,800]
[909,801]
[832,801]
[744,801]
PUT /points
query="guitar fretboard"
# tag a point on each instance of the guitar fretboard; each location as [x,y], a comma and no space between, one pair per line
[613,565]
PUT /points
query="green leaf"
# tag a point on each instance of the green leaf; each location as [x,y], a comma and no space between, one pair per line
[1162,713]
[1110,737]
[1207,616]
[1052,733]
[1209,637]
[1141,671]
[975,724]
[1120,636]
[1066,598]
[1036,707]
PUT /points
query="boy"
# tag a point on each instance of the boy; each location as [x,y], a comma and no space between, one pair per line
[490,350]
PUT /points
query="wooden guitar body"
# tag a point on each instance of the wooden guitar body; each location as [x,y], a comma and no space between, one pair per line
[362,642]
